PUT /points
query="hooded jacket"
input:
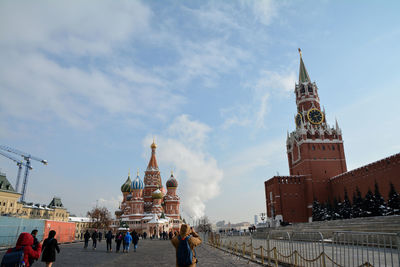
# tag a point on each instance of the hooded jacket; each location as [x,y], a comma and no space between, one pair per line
[26,240]
[194,241]
[128,238]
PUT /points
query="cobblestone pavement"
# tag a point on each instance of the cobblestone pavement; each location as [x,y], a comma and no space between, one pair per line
[149,253]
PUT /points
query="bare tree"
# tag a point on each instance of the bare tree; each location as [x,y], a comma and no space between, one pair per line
[101,217]
[204,225]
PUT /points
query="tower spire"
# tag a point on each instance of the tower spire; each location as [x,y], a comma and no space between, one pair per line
[303,74]
[153,161]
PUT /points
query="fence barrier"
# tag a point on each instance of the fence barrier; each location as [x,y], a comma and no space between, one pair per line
[342,249]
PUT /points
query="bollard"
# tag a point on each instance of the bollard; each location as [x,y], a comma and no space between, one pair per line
[244,249]
[276,258]
[251,252]
[262,254]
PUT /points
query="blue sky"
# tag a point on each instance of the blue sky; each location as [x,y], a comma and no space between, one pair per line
[86,85]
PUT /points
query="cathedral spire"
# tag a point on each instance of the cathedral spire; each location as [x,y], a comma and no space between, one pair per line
[153,161]
[303,74]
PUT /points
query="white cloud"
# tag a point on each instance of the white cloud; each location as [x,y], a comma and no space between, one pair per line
[197,172]
[75,27]
[268,85]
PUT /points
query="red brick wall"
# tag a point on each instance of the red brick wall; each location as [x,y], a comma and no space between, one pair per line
[383,172]
[287,192]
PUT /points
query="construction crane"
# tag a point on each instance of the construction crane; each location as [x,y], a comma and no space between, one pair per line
[27,157]
[19,164]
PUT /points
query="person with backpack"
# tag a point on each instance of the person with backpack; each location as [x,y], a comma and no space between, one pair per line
[22,253]
[127,241]
[118,240]
[95,235]
[184,245]
[87,237]
[50,245]
[109,236]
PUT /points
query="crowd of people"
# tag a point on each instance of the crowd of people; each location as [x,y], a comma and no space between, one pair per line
[125,238]
[29,250]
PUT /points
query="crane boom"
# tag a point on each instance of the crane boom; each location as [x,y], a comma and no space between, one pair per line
[22,154]
[19,164]
[27,157]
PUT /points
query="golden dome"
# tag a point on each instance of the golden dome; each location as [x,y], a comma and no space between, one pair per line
[153,145]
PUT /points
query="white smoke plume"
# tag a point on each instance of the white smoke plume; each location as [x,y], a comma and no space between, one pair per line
[181,148]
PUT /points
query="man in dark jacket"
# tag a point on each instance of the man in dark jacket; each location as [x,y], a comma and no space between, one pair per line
[109,237]
[95,235]
[135,240]
[34,246]
[87,237]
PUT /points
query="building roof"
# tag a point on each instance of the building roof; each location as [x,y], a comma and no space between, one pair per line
[56,203]
[79,219]
[5,185]
[303,74]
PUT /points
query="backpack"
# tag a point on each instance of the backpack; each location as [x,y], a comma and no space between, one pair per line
[15,258]
[184,254]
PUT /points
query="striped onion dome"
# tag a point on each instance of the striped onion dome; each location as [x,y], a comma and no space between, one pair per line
[172,182]
[137,183]
[157,194]
[126,187]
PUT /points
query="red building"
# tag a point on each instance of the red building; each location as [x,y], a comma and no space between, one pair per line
[317,162]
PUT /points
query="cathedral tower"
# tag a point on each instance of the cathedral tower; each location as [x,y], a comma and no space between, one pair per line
[152,179]
[171,199]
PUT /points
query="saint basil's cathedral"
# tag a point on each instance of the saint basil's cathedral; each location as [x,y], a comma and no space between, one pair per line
[146,206]
[317,162]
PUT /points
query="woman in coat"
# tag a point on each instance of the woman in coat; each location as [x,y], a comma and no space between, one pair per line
[194,240]
[50,245]
[135,240]
[25,240]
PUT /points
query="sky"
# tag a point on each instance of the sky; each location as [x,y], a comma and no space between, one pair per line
[87,85]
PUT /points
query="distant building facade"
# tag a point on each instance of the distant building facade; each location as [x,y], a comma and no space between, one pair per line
[11,206]
[317,162]
[146,205]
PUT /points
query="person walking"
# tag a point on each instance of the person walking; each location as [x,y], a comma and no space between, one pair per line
[87,237]
[135,240]
[35,243]
[109,237]
[118,240]
[144,235]
[25,243]
[95,235]
[100,236]
[184,245]
[127,241]
[50,245]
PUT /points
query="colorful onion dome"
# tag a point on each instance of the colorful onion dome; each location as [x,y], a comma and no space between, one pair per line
[126,187]
[157,194]
[137,183]
[172,182]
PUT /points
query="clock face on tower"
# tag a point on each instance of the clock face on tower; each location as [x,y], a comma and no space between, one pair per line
[298,119]
[315,116]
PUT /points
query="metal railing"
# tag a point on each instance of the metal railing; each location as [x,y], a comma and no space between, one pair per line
[277,248]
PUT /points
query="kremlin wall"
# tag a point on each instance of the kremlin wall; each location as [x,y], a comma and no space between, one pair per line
[317,163]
